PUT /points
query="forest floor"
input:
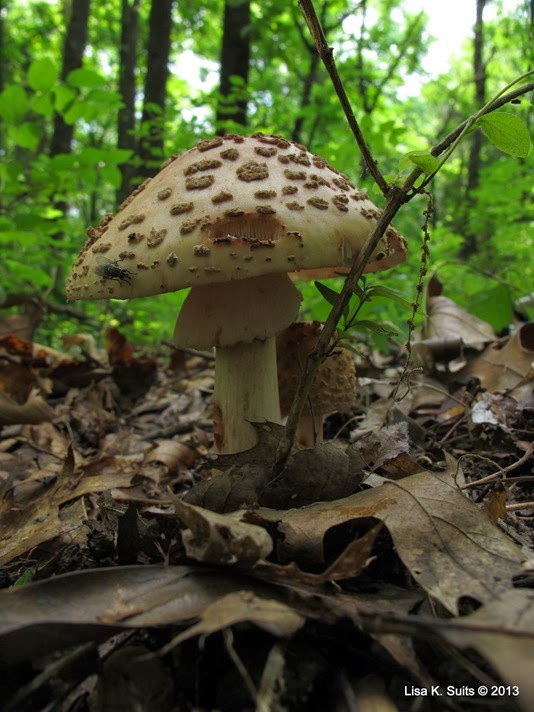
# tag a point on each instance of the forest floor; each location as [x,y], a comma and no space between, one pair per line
[390,568]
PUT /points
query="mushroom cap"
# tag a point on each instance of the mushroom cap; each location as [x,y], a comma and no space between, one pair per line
[334,386]
[231,208]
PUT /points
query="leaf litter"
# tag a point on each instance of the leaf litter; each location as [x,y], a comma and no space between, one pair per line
[373,564]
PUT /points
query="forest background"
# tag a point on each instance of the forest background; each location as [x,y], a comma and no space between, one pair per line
[95,96]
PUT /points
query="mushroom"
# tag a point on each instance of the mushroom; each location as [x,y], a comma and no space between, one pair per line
[333,388]
[230,219]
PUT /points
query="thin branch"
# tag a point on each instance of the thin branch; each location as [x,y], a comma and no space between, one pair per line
[326,54]
[314,359]
[396,197]
[503,472]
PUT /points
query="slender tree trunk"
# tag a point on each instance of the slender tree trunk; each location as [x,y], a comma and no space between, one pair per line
[473,168]
[127,87]
[235,62]
[305,101]
[157,73]
[2,47]
[73,49]
[61,141]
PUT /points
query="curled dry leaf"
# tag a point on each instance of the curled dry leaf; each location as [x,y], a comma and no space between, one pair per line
[239,606]
[33,410]
[350,563]
[448,545]
[502,369]
[166,458]
[448,321]
[85,605]
[221,538]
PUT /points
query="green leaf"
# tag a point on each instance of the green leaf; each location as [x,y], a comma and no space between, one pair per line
[26,577]
[10,237]
[26,273]
[63,97]
[360,291]
[26,135]
[381,291]
[42,74]
[422,159]
[87,78]
[507,132]
[330,295]
[118,155]
[13,103]
[112,175]
[494,305]
[42,104]
[374,327]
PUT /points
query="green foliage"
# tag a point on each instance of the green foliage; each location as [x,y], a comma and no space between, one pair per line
[47,201]
[507,132]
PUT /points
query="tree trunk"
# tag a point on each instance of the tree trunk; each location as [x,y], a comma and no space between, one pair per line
[305,100]
[127,86]
[470,244]
[235,62]
[157,72]
[2,48]
[61,141]
[73,49]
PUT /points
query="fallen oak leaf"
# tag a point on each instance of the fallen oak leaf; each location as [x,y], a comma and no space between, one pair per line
[349,564]
[449,546]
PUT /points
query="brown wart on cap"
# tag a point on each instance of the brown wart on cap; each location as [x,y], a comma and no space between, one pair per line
[333,388]
[217,219]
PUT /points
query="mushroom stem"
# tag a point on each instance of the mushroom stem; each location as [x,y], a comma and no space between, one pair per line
[245,374]
[241,319]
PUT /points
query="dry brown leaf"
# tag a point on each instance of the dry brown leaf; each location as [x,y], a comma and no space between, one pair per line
[221,538]
[448,321]
[503,369]
[494,504]
[350,563]
[324,472]
[379,446]
[84,605]
[34,410]
[370,695]
[448,545]
[502,631]
[240,606]
[166,458]
[45,516]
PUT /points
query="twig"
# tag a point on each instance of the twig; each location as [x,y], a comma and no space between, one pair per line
[208,355]
[315,358]
[519,505]
[327,56]
[503,472]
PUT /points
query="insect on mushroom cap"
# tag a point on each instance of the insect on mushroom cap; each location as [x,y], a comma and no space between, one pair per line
[231,208]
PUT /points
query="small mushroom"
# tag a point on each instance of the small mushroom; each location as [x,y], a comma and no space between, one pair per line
[333,389]
[234,219]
